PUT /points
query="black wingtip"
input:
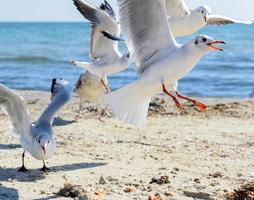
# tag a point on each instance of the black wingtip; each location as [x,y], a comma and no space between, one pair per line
[111,37]
[53,85]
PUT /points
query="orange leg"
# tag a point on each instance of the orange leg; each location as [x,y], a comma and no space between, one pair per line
[200,105]
[178,104]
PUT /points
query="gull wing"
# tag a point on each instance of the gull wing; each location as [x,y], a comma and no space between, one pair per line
[177,8]
[101,19]
[16,108]
[61,91]
[222,20]
[145,26]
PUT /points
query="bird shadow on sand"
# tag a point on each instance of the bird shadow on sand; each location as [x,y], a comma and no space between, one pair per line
[198,195]
[9,174]
[8,193]
[58,121]
[9,146]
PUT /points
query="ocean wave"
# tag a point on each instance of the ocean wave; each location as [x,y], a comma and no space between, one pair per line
[30,59]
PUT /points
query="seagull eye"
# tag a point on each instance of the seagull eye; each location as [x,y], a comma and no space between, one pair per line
[48,142]
[202,12]
[204,39]
[39,141]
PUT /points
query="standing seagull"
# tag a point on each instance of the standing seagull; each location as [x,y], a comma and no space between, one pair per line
[106,57]
[160,60]
[37,139]
[89,89]
[184,21]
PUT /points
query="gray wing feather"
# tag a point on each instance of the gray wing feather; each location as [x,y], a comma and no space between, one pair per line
[16,108]
[221,20]
[101,19]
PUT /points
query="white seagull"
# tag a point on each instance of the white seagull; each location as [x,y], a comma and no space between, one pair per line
[184,21]
[160,60]
[106,57]
[38,138]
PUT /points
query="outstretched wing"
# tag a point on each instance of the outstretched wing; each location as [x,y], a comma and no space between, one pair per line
[16,108]
[61,91]
[177,8]
[101,19]
[222,20]
[145,27]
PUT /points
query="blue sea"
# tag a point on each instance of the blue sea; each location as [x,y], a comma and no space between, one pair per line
[31,54]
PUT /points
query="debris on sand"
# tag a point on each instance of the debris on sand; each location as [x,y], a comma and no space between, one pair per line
[73,191]
[130,189]
[246,192]
[154,197]
[160,181]
[102,181]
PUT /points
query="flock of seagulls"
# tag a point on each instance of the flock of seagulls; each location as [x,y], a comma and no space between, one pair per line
[149,29]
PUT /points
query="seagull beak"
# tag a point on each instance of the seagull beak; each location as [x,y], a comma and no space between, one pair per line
[43,149]
[215,48]
[205,17]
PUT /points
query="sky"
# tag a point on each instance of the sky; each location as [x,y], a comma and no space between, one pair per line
[64,10]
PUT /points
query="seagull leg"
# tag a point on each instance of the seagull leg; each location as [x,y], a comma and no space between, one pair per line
[77,117]
[44,168]
[104,83]
[23,169]
[200,105]
[178,104]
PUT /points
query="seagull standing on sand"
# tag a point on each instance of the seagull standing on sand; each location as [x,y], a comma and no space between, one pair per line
[184,21]
[106,57]
[38,138]
[160,60]
[89,89]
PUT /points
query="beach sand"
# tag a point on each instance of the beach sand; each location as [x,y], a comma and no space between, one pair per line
[177,155]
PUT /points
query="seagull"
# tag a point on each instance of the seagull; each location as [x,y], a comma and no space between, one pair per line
[160,60]
[104,52]
[89,89]
[184,21]
[36,138]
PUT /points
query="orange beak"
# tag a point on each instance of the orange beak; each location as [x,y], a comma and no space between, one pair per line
[215,48]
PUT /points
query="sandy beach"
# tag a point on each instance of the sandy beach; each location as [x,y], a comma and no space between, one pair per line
[177,155]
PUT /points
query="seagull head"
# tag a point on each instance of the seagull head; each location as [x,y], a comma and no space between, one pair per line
[206,43]
[203,11]
[43,141]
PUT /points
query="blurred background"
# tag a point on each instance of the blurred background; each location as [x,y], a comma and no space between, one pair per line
[38,38]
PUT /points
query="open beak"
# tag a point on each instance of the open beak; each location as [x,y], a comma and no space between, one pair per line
[43,149]
[215,48]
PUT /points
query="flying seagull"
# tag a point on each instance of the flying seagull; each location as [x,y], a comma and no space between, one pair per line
[184,21]
[106,57]
[160,60]
[36,138]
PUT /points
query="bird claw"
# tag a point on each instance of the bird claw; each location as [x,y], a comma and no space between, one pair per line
[178,104]
[202,107]
[22,169]
[45,169]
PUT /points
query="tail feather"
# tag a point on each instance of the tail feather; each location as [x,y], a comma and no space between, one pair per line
[84,65]
[128,105]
